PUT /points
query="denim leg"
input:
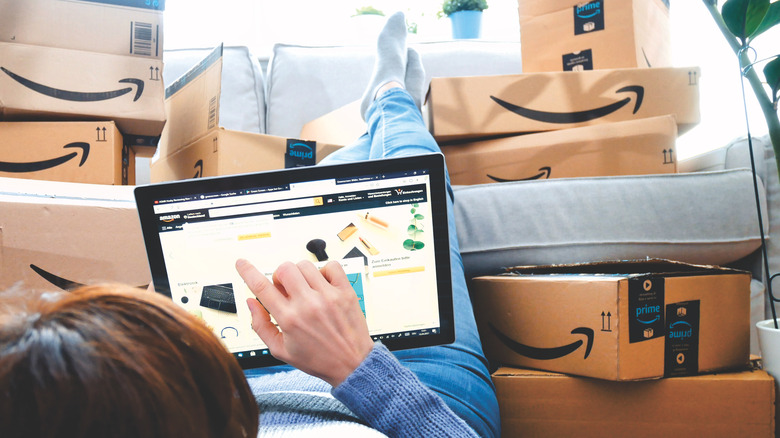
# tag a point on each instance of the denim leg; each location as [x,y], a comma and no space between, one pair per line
[457,372]
[357,151]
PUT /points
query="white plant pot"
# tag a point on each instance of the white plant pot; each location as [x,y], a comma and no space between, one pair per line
[769,343]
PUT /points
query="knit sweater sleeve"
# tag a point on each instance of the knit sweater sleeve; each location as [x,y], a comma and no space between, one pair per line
[391,399]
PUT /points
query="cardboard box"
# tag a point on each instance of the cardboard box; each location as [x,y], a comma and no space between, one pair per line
[226,152]
[193,144]
[533,8]
[482,106]
[127,27]
[84,152]
[192,105]
[60,235]
[543,404]
[601,34]
[342,126]
[634,147]
[44,83]
[625,320]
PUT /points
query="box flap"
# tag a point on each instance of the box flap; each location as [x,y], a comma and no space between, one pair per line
[624,267]
[30,190]
[192,104]
[523,372]
[340,126]
[157,5]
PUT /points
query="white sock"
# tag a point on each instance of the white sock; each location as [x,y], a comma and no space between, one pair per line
[390,64]
[414,81]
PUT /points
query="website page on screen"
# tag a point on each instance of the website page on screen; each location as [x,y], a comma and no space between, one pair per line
[377,226]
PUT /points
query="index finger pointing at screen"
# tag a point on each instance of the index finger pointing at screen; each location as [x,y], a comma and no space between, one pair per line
[260,286]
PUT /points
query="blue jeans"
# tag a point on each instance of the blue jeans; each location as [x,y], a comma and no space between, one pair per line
[458,372]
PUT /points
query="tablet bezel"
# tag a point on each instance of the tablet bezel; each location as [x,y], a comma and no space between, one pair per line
[145,196]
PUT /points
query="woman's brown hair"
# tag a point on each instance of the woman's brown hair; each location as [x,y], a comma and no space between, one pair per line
[115,361]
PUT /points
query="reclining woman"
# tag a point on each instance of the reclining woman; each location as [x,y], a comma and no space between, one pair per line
[348,385]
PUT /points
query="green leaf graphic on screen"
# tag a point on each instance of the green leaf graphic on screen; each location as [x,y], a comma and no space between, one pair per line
[414,231]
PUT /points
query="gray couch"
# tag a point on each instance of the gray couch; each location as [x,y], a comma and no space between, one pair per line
[705,215]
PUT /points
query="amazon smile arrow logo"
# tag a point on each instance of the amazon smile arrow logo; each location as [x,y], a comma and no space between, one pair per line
[62,283]
[78,96]
[543,174]
[198,169]
[576,116]
[547,353]
[35,166]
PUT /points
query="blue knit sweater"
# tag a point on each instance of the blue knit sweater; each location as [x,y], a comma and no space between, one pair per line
[381,397]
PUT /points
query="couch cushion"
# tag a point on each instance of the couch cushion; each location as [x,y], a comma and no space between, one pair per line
[242,104]
[705,217]
[307,82]
[736,155]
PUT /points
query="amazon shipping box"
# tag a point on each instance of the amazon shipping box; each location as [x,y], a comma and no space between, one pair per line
[543,404]
[194,145]
[576,35]
[633,147]
[45,83]
[227,152]
[628,320]
[126,27]
[485,106]
[61,235]
[343,125]
[84,152]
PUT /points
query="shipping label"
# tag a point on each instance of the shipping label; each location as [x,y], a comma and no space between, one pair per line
[578,61]
[681,355]
[645,308]
[589,17]
[300,153]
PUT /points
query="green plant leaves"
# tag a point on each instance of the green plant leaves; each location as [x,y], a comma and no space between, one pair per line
[772,74]
[419,217]
[413,245]
[744,18]
[451,6]
[771,18]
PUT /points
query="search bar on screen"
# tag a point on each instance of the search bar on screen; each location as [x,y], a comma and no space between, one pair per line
[265,207]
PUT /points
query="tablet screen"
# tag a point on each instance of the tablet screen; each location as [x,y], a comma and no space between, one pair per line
[383,220]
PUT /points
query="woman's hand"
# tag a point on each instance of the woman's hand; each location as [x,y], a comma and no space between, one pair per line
[323,331]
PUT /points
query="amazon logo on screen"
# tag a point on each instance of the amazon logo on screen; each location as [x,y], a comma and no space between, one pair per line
[35,166]
[577,116]
[79,96]
[547,353]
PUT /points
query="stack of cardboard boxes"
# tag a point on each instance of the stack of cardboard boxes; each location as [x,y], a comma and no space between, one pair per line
[663,347]
[80,88]
[586,104]
[81,93]
[589,105]
[193,144]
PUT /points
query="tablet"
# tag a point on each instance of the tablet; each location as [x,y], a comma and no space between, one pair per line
[385,221]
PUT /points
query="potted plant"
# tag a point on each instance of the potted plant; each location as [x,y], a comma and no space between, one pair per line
[466,17]
[366,23]
[740,22]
